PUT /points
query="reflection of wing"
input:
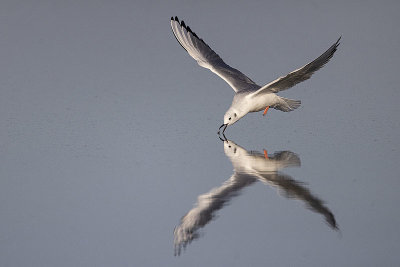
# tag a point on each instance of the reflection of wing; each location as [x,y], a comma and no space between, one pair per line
[291,188]
[206,206]
[208,59]
[299,75]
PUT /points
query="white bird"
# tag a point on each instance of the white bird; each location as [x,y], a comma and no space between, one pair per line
[249,96]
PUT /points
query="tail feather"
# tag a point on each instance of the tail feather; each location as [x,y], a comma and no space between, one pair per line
[286,104]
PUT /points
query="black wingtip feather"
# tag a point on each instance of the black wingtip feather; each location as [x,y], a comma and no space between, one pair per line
[182,23]
[177,20]
[338,41]
[190,30]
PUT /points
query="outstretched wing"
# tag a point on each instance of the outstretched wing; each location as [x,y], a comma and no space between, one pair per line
[206,207]
[299,75]
[207,58]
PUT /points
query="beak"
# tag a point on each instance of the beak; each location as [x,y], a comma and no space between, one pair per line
[226,125]
[219,130]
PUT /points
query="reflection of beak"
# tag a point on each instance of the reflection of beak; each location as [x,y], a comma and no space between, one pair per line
[223,140]
[226,125]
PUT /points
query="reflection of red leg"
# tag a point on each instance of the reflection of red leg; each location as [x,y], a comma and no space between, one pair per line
[265,111]
[266,154]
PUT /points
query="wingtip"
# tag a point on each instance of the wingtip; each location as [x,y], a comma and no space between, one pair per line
[338,41]
[187,28]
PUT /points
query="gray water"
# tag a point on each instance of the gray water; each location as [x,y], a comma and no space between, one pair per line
[108,146]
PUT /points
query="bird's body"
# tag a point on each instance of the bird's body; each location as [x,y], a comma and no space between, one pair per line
[247,103]
[260,103]
[249,97]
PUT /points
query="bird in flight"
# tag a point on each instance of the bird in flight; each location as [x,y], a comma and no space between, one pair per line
[249,96]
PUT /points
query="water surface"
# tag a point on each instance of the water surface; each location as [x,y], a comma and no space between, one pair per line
[108,146]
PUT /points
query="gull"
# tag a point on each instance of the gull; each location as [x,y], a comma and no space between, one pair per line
[249,97]
[249,167]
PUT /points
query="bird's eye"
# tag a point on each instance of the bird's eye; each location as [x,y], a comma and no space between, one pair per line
[229,146]
[230,118]
[235,115]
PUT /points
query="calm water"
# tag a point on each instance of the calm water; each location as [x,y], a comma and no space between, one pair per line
[109,149]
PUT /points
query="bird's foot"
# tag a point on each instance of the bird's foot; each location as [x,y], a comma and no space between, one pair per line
[265,111]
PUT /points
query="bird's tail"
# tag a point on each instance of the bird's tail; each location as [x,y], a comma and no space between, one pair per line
[286,159]
[286,104]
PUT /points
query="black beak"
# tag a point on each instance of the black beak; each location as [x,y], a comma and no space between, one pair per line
[223,131]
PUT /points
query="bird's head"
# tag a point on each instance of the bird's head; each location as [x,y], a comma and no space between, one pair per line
[232,116]
[230,148]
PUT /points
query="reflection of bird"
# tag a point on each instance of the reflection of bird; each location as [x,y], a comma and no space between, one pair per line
[265,169]
[248,168]
[249,96]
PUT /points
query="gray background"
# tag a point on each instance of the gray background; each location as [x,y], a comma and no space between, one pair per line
[108,133]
